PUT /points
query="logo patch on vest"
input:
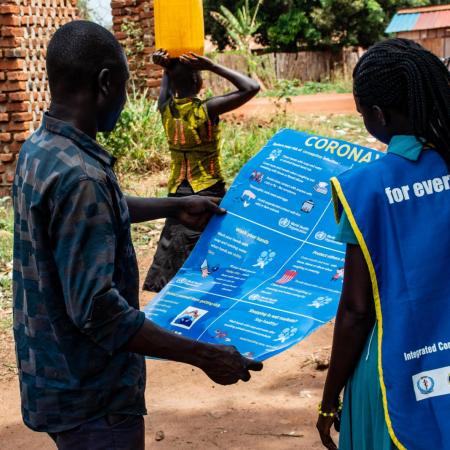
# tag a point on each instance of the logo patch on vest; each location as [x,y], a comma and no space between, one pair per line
[432,383]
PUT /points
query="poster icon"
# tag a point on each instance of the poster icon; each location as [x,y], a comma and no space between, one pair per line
[265,258]
[248,198]
[222,335]
[274,155]
[320,301]
[284,222]
[256,176]
[321,187]
[308,206]
[339,275]
[321,235]
[286,334]
[188,318]
[288,276]
[206,270]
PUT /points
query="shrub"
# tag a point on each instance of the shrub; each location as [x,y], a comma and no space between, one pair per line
[138,141]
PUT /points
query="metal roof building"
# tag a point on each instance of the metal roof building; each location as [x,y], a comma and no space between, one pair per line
[430,26]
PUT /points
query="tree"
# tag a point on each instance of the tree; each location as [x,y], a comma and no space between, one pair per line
[241,26]
[290,25]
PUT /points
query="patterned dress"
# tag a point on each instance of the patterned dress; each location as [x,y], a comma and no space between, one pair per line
[195,143]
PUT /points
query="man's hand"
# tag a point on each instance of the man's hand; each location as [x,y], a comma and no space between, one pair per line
[197,62]
[161,58]
[225,365]
[195,211]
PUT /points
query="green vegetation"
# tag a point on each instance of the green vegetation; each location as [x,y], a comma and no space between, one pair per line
[6,248]
[244,139]
[138,141]
[290,25]
[291,88]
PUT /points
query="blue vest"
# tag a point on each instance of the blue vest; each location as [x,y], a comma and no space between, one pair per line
[400,213]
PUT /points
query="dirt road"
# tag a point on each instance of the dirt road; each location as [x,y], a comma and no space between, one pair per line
[305,104]
[276,410]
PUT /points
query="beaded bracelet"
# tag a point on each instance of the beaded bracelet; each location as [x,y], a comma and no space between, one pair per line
[330,414]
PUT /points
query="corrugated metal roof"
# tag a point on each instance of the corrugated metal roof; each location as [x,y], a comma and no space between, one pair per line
[429,21]
[422,9]
[402,22]
[419,21]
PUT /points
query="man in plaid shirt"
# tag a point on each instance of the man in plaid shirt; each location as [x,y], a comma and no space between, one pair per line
[80,337]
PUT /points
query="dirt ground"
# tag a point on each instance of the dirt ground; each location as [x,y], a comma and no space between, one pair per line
[304,104]
[276,410]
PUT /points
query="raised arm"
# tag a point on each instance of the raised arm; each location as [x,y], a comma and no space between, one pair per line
[247,88]
[354,320]
[161,58]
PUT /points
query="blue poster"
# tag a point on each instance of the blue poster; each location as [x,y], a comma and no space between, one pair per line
[270,271]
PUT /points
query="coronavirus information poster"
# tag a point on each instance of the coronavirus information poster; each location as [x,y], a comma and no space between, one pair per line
[270,271]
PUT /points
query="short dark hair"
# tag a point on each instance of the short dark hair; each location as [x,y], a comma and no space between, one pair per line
[402,75]
[183,76]
[78,51]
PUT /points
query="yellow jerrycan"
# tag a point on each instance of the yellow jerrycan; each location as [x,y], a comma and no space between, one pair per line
[179,26]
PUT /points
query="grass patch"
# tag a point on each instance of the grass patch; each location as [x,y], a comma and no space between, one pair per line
[244,139]
[292,88]
[6,255]
[138,141]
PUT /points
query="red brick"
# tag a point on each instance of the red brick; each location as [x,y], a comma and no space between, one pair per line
[17,107]
[14,86]
[22,117]
[15,64]
[13,31]
[4,117]
[10,178]
[2,168]
[19,96]
[9,9]
[17,76]
[2,76]
[3,98]
[20,137]
[9,19]
[10,42]
[15,53]
[6,157]
[17,126]
[14,147]
[5,137]
[153,83]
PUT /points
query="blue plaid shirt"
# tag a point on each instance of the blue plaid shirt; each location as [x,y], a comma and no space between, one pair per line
[76,283]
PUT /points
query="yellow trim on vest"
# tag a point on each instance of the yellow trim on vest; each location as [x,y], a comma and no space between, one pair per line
[338,193]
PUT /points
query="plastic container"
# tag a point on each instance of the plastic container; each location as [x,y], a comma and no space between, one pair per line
[179,26]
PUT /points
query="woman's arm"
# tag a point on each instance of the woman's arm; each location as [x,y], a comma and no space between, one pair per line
[354,320]
[247,87]
[161,58]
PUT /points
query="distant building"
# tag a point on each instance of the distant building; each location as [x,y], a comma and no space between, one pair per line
[429,26]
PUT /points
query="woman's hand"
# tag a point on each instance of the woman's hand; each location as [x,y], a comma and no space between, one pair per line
[197,62]
[324,425]
[161,58]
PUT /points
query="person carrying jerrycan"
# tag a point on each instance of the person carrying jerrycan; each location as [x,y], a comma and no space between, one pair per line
[193,131]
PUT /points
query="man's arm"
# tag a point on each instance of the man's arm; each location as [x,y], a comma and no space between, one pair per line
[223,364]
[194,211]
[83,237]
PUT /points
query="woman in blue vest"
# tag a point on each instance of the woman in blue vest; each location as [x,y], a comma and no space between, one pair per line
[391,346]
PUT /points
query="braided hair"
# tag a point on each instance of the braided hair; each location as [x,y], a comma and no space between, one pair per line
[400,74]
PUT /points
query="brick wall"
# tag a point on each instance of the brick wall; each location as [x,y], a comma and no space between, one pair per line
[25,29]
[133,25]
